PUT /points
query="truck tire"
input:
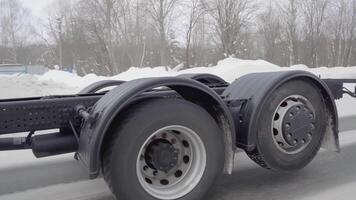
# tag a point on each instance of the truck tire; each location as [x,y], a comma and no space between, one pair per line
[291,128]
[164,149]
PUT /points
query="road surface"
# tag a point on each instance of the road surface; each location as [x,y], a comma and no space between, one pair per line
[329,176]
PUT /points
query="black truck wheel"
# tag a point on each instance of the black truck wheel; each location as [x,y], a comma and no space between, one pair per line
[164,149]
[292,125]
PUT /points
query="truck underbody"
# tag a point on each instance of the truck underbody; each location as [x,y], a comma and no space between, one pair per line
[284,116]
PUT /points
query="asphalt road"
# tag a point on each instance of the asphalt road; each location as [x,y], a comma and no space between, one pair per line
[329,176]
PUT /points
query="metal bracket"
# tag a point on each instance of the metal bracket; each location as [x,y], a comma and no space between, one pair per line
[349,92]
[237,108]
[75,132]
[28,138]
[84,114]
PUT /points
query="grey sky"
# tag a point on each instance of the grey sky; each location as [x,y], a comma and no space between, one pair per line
[37,7]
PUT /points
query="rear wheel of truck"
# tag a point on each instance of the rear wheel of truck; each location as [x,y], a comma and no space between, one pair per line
[164,149]
[291,128]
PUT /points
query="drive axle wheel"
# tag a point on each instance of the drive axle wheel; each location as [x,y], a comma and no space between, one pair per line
[164,149]
[292,127]
[171,162]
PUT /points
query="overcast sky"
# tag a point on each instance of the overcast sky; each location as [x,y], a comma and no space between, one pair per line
[37,7]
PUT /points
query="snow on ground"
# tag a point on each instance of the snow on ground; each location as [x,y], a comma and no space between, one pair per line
[61,82]
[22,177]
[229,69]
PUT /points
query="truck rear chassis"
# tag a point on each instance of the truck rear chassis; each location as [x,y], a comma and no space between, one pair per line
[83,123]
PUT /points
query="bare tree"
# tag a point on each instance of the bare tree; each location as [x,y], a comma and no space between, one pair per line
[14,26]
[350,29]
[314,15]
[109,36]
[289,15]
[99,20]
[160,12]
[270,28]
[196,12]
[336,22]
[342,25]
[129,25]
[231,18]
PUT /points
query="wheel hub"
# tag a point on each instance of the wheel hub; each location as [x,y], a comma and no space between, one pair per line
[161,155]
[171,162]
[298,125]
[293,124]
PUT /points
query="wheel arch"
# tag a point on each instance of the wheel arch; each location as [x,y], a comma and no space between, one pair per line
[205,78]
[109,106]
[255,88]
[95,87]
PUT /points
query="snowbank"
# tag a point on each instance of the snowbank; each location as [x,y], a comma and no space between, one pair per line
[229,69]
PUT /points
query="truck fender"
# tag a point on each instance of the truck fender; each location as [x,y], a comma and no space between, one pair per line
[95,87]
[206,79]
[255,88]
[109,106]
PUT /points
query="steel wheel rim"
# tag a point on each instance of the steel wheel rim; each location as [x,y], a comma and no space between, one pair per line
[182,178]
[282,127]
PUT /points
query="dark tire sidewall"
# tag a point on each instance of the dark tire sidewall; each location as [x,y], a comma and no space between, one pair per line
[154,116]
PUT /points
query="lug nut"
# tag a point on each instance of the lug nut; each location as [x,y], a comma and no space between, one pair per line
[312,126]
[178,174]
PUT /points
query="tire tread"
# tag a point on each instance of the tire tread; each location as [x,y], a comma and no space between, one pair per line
[109,146]
[256,157]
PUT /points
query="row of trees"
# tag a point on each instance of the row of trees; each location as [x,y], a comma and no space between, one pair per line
[313,32]
[108,36]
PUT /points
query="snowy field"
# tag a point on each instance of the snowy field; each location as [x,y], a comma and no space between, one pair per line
[330,176]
